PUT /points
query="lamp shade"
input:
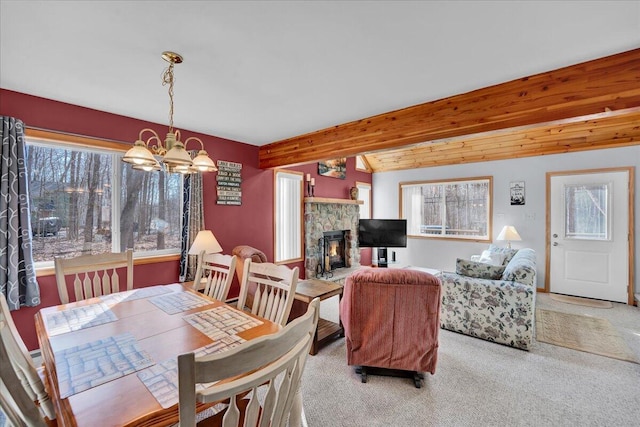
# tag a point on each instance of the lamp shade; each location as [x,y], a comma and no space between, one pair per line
[509,233]
[205,241]
[139,154]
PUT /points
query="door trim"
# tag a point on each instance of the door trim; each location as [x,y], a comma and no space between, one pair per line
[631,171]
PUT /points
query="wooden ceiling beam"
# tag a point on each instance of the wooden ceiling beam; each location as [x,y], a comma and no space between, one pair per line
[609,130]
[606,84]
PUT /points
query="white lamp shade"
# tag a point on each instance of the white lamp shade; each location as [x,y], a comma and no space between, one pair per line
[139,155]
[177,156]
[205,241]
[509,233]
[204,163]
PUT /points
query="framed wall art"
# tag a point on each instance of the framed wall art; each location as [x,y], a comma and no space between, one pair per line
[516,192]
[336,168]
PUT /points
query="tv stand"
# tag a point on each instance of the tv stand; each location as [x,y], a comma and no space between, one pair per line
[383,262]
[383,257]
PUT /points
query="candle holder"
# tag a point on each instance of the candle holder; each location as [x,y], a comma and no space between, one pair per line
[311,190]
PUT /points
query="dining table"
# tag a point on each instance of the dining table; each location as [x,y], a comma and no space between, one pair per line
[111,360]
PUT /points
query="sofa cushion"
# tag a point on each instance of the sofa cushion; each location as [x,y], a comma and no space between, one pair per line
[493,258]
[522,268]
[478,270]
[508,253]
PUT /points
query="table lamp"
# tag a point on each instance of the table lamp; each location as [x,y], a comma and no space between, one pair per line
[205,241]
[509,233]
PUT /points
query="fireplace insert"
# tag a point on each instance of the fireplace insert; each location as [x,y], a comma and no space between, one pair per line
[334,250]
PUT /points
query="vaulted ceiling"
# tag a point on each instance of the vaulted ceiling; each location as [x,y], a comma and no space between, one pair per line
[586,106]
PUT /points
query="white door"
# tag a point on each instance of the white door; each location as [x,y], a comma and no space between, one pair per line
[589,226]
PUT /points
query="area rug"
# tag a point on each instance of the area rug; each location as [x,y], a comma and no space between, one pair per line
[584,333]
[587,302]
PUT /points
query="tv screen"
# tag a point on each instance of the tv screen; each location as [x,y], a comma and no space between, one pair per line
[382,233]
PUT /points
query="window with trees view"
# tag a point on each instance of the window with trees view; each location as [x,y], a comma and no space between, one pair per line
[86,201]
[587,211]
[453,209]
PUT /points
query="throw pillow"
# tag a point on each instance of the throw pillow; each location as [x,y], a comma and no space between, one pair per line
[493,258]
[507,252]
[479,270]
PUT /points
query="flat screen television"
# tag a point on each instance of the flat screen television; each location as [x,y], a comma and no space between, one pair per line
[382,233]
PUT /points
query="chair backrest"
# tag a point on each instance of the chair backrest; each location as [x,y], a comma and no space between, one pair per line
[20,376]
[216,272]
[94,275]
[391,318]
[275,289]
[274,361]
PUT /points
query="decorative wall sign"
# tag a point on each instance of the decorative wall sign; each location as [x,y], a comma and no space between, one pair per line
[516,192]
[336,168]
[229,183]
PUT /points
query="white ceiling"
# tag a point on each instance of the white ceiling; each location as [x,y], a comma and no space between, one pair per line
[261,71]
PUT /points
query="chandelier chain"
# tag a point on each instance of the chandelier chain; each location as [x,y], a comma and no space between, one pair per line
[167,78]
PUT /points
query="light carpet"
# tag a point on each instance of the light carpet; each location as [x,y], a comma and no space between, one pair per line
[480,383]
[584,333]
[587,302]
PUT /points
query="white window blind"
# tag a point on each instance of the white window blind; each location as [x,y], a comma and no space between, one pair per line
[288,204]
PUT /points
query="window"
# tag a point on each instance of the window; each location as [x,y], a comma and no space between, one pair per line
[362,164]
[364,194]
[84,200]
[288,216]
[587,211]
[454,209]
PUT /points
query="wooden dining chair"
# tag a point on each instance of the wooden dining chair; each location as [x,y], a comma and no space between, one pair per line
[23,390]
[216,272]
[94,275]
[272,363]
[275,289]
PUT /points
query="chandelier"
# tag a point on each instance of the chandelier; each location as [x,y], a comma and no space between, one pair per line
[173,155]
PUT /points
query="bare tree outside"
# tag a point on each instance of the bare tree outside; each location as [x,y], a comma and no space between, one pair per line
[71,195]
[458,209]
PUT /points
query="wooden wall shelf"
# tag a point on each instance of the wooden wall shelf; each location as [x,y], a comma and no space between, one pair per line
[335,201]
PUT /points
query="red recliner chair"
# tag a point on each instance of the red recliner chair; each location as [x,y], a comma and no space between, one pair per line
[391,319]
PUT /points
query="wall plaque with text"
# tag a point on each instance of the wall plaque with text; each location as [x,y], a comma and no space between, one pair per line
[229,181]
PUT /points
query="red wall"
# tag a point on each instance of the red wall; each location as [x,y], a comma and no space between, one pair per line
[249,224]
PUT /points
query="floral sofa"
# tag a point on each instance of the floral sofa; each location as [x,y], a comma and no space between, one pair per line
[495,302]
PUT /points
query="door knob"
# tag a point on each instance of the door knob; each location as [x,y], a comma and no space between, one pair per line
[555,243]
[555,235]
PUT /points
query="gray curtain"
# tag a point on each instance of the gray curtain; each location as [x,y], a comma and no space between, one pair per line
[192,222]
[17,275]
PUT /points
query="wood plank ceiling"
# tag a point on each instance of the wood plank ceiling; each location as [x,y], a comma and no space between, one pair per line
[587,106]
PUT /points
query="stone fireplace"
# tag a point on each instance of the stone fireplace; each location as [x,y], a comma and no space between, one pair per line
[338,218]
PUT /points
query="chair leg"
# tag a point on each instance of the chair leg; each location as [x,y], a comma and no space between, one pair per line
[362,370]
[417,379]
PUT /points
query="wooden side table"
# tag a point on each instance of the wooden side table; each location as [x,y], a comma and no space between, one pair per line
[306,291]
